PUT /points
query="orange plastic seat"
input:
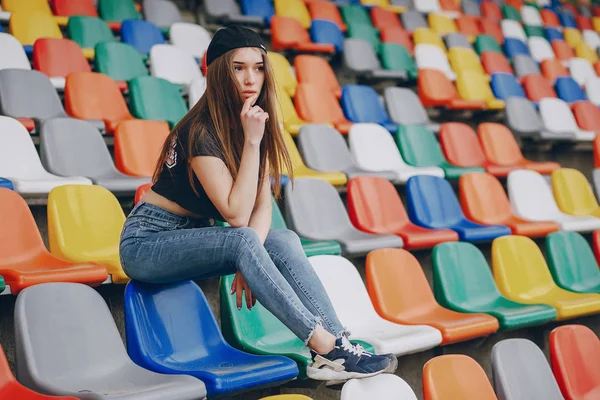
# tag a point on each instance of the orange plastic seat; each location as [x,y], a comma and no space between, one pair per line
[95,96]
[537,87]
[450,6]
[436,90]
[492,28]
[57,58]
[326,11]
[553,68]
[288,34]
[494,62]
[501,148]
[597,67]
[383,18]
[398,36]
[374,206]
[597,151]
[562,50]
[314,69]
[320,107]
[575,360]
[490,10]
[587,116]
[400,293]
[141,191]
[138,144]
[68,8]
[24,259]
[484,200]
[549,18]
[455,376]
[468,25]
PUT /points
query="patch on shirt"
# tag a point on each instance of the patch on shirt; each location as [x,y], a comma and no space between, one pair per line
[172,158]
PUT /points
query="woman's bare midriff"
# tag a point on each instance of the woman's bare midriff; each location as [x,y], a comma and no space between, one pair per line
[152,197]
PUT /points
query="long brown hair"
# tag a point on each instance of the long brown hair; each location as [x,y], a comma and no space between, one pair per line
[220,106]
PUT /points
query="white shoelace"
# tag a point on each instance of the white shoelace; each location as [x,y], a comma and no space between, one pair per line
[355,349]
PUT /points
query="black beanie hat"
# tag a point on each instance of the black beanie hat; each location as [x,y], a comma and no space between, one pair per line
[232,37]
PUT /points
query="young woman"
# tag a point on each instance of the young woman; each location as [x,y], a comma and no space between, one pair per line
[218,163]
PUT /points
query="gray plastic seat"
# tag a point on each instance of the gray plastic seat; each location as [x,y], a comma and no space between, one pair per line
[58,138]
[522,117]
[412,20]
[360,59]
[459,40]
[402,3]
[521,372]
[324,149]
[228,11]
[405,108]
[316,211]
[162,13]
[525,65]
[596,178]
[68,344]
[471,7]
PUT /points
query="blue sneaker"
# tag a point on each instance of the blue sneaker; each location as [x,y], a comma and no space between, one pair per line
[346,361]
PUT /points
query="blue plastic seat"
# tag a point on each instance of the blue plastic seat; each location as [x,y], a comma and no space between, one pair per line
[553,34]
[140,34]
[327,32]
[5,183]
[513,47]
[171,329]
[258,8]
[362,104]
[506,85]
[567,19]
[433,204]
[568,90]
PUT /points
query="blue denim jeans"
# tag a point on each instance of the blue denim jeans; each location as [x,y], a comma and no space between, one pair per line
[158,246]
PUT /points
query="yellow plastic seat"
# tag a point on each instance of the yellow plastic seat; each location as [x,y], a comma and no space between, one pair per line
[383,4]
[572,36]
[465,60]
[302,171]
[573,193]
[287,113]
[441,24]
[427,36]
[84,225]
[27,26]
[596,24]
[583,50]
[293,9]
[475,86]
[283,73]
[522,275]
[31,6]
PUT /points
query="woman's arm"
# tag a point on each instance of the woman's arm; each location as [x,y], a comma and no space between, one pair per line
[260,220]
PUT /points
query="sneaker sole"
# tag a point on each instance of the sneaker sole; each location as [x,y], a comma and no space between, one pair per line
[389,370]
[333,377]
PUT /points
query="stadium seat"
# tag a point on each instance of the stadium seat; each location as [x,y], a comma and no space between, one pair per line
[463,282]
[468,25]
[470,8]
[428,56]
[173,64]
[513,359]
[324,217]
[116,11]
[552,69]
[27,27]
[574,351]
[412,19]
[510,13]
[382,385]
[427,36]
[572,36]
[465,60]
[560,123]
[492,28]
[362,104]
[397,62]
[581,70]
[553,34]
[354,308]
[44,354]
[327,33]
[583,51]
[88,31]
[493,62]
[441,24]
[258,8]
[78,213]
[141,35]
[400,293]
[137,146]
[514,47]
[68,8]
[284,74]
[592,91]
[229,12]
[457,40]
[156,99]
[192,38]
[398,36]
[534,31]
[141,191]
[525,66]
[162,13]
[315,106]
[288,34]
[455,376]
[120,61]
[573,193]
[323,10]
[537,88]
[531,16]
[433,204]
[562,50]
[366,33]
[591,38]
[567,19]
[57,58]
[427,6]
[506,85]
[196,90]
[291,121]
[380,17]
[513,30]
[353,14]
[587,116]
[473,86]
[13,55]
[540,49]
[522,117]
[568,90]
[314,69]
[486,43]
[295,9]
[374,206]
[522,275]
[462,148]
[324,149]
[405,108]
[7,184]
[436,90]
[224,370]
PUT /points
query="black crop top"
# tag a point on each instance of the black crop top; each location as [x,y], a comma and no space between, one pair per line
[173,182]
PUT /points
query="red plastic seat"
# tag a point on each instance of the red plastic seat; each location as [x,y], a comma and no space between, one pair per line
[492,28]
[596,10]
[321,107]
[584,23]
[597,151]
[24,259]
[141,191]
[587,116]
[288,34]
[450,6]
[398,36]
[327,11]
[495,62]
[436,90]
[575,360]
[67,8]
[514,3]
[374,206]
[537,87]
[383,18]
[468,25]
[562,50]
[596,242]
[490,10]
[552,69]
[57,58]
[314,69]
[549,18]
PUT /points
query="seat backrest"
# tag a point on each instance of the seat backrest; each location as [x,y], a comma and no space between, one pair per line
[162,13]
[569,90]
[325,32]
[468,25]
[495,62]
[295,9]
[591,38]
[432,57]
[549,18]
[89,31]
[571,261]
[323,148]
[355,15]
[140,34]
[173,64]
[412,19]
[562,50]
[58,57]
[522,116]
[553,34]
[471,7]
[286,107]
[513,30]
[485,43]
[28,26]
[284,76]
[587,115]
[463,60]
[557,116]
[531,16]
[530,195]
[13,55]
[506,85]
[382,18]
[360,56]
[68,8]
[362,104]
[323,10]
[366,33]
[191,37]
[460,145]
[432,202]
[521,370]
[492,28]
[434,87]
[441,24]
[427,36]
[581,70]
[156,99]
[418,146]
[592,91]
[373,148]
[524,65]
[92,158]
[553,69]
[314,105]
[117,10]
[374,205]
[473,86]
[483,199]
[315,69]
[396,57]
[537,87]
[258,8]
[28,94]
[540,49]
[397,36]
[137,145]
[457,40]
[510,13]
[584,51]
[293,151]
[499,144]
[119,60]
[222,8]
[573,193]
[404,106]
[514,47]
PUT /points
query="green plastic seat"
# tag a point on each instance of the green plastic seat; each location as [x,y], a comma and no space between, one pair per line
[117,10]
[531,30]
[420,148]
[486,43]
[572,262]
[355,15]
[258,331]
[366,33]
[120,61]
[156,99]
[89,31]
[396,57]
[311,247]
[509,12]
[2,284]
[463,282]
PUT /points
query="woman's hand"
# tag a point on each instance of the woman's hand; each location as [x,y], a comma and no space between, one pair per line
[253,120]
[238,286]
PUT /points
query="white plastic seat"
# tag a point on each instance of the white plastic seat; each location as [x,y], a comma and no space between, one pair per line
[4,15]
[592,91]
[173,64]
[13,55]
[531,198]
[197,88]
[429,56]
[513,29]
[191,37]
[559,122]
[540,49]
[581,70]
[531,16]
[356,312]
[384,386]
[591,38]
[374,149]
[20,162]
[427,6]
[543,3]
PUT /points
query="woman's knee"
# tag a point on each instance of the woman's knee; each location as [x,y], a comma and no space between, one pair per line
[286,238]
[245,239]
